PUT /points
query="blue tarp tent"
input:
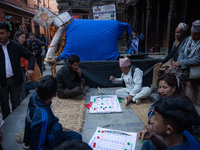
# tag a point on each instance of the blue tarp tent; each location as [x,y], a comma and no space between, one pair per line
[94,39]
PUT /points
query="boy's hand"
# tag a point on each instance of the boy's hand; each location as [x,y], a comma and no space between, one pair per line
[112,78]
[66,130]
[144,135]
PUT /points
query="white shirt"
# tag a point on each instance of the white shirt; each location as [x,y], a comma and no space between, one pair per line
[8,66]
[133,83]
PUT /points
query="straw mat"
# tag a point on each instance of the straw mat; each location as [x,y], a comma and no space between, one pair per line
[70,113]
[140,110]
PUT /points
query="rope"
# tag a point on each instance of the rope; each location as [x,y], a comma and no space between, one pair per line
[53,68]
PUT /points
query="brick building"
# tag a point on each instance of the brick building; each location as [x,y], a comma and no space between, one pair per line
[19,12]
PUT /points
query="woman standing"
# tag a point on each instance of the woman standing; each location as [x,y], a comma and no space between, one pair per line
[31,82]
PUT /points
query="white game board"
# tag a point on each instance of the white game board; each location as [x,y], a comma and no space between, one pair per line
[104,104]
[113,140]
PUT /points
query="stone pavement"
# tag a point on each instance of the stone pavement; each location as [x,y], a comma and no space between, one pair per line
[125,121]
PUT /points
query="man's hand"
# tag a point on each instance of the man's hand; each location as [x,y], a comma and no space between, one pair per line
[144,135]
[1,136]
[79,72]
[129,97]
[158,64]
[176,65]
[112,78]
[29,73]
[168,69]
[34,53]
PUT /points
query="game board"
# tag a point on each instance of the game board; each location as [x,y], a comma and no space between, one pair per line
[104,104]
[112,140]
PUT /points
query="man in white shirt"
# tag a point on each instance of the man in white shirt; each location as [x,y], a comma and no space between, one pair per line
[132,78]
[11,75]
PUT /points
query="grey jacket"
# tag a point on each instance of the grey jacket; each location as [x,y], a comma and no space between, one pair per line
[192,58]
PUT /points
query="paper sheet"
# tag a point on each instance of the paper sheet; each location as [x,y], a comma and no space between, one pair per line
[113,140]
[104,104]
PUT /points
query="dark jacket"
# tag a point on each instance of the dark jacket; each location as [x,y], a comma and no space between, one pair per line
[67,78]
[42,129]
[15,51]
[174,52]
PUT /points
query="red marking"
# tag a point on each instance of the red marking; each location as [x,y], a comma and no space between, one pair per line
[97,137]
[103,108]
[102,131]
[88,105]
[94,145]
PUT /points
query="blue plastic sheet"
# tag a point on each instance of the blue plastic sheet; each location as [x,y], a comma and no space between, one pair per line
[94,39]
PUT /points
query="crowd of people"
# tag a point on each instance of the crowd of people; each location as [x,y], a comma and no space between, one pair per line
[173,121]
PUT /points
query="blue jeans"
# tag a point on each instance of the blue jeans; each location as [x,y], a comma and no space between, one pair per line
[30,85]
[71,135]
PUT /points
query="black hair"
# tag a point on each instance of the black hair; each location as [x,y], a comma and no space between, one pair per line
[136,30]
[73,58]
[31,34]
[176,111]
[5,26]
[17,34]
[73,145]
[47,87]
[172,81]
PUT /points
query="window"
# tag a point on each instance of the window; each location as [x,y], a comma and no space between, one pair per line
[24,1]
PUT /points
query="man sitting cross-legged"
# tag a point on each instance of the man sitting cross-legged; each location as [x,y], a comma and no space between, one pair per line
[132,77]
[42,129]
[70,83]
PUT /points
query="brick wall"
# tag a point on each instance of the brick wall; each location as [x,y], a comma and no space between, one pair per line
[30,4]
[53,6]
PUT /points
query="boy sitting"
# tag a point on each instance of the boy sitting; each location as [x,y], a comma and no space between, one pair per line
[42,129]
[173,116]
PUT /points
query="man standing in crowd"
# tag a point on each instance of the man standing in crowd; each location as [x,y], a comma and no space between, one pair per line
[132,78]
[70,83]
[35,46]
[11,76]
[189,55]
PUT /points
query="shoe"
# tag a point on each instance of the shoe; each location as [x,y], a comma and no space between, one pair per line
[25,146]
[153,97]
[86,89]
[138,101]
[126,101]
[79,97]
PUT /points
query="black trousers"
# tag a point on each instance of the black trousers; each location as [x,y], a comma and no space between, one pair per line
[1,148]
[9,90]
[72,93]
